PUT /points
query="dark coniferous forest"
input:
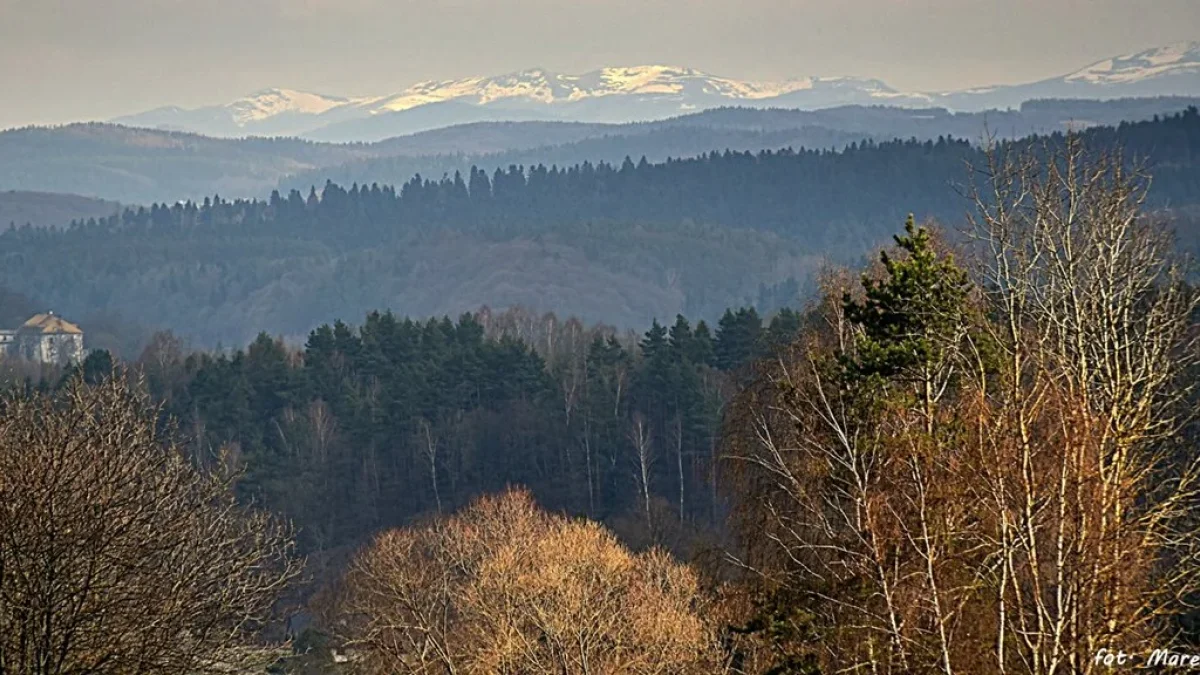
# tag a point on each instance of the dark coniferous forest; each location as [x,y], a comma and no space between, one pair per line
[367,427]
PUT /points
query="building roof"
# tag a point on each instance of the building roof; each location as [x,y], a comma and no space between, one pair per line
[49,323]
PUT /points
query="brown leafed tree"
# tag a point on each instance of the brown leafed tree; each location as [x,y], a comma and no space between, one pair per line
[116,555]
[504,587]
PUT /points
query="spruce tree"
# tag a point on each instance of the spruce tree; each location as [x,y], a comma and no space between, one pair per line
[911,321]
[738,338]
[681,338]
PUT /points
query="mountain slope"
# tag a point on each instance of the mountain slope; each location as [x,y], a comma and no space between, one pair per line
[143,165]
[44,209]
[270,112]
[1180,59]
[1170,70]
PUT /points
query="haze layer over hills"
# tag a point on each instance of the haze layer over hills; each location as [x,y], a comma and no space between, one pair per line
[621,244]
[141,166]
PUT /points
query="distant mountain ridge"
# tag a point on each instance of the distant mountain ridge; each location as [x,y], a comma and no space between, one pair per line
[639,93]
[618,94]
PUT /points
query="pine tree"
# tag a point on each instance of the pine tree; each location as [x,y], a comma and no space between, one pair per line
[911,316]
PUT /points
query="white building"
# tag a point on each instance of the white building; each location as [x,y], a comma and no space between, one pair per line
[44,338]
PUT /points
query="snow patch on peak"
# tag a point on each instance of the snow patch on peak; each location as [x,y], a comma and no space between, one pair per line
[538,85]
[1144,65]
[268,103]
[279,110]
[632,77]
[1167,54]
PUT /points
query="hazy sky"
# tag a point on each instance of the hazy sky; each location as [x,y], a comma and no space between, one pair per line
[65,60]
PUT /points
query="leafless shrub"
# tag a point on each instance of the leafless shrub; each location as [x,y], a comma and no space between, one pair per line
[116,555]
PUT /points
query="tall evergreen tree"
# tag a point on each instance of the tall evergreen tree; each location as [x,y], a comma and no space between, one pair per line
[912,316]
[738,339]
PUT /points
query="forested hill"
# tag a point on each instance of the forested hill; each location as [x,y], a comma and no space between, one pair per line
[794,192]
[620,244]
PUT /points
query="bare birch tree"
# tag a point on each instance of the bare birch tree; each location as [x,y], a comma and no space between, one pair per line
[1012,500]
[643,461]
[1091,309]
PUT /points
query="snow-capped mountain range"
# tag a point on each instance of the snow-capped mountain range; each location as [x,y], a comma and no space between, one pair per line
[641,93]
